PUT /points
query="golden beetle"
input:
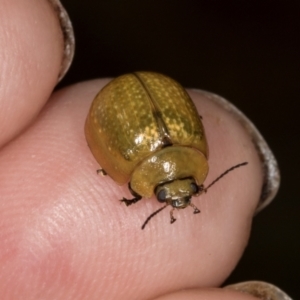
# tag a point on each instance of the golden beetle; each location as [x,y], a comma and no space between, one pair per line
[143,128]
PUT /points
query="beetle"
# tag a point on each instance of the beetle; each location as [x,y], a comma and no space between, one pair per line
[144,130]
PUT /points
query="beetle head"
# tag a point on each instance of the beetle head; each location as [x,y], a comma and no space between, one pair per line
[177,193]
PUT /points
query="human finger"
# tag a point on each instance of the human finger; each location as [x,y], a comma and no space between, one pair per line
[36,50]
[66,228]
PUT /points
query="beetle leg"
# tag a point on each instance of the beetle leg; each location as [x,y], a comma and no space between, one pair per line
[201,189]
[131,201]
[196,209]
[171,216]
[136,196]
[102,172]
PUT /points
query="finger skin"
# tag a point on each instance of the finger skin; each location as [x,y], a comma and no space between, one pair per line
[65,235]
[30,54]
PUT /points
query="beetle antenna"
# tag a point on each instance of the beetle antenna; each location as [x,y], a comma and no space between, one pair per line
[152,215]
[223,174]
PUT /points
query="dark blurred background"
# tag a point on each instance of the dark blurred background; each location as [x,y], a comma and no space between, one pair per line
[246,51]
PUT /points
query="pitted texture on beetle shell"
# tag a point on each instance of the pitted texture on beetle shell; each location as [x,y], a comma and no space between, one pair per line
[136,115]
[124,120]
[177,110]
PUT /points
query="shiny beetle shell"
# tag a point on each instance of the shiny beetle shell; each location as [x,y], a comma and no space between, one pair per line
[143,128]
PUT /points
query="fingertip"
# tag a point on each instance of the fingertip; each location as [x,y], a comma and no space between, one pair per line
[31,55]
[232,143]
[267,163]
